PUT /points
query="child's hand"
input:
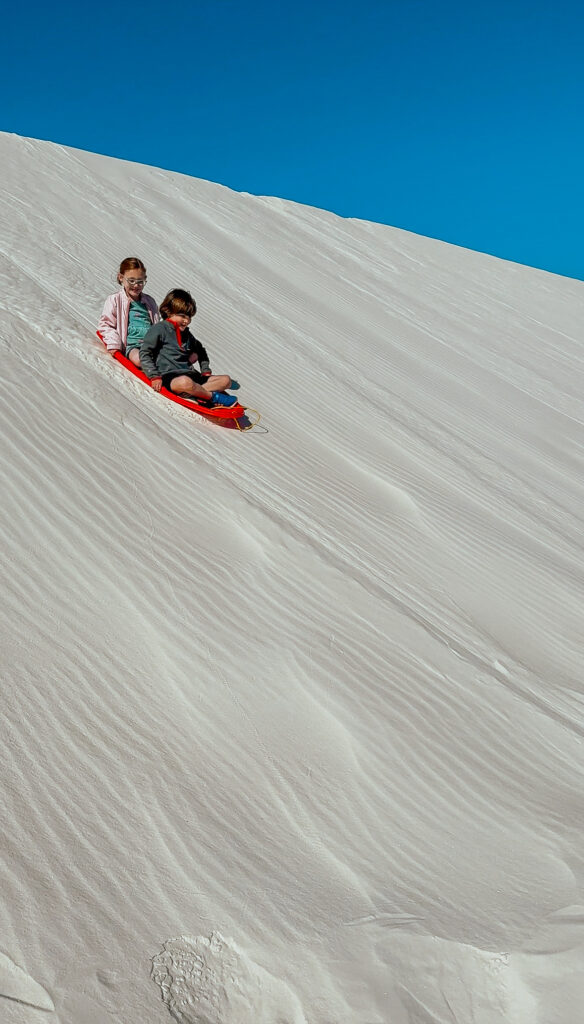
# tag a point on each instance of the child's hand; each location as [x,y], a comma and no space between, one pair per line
[156,383]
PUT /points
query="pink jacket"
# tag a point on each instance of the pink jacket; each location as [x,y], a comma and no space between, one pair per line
[113,322]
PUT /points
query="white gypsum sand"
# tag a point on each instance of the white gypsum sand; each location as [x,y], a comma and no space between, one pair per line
[292,721]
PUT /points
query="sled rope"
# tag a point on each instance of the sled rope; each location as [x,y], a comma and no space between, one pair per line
[251,425]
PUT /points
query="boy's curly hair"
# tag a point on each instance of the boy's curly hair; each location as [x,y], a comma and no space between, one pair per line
[177,301]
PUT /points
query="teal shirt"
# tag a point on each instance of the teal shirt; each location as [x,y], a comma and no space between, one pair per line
[138,325]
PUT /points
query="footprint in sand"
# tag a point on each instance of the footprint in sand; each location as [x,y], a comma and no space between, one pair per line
[211,981]
[16,984]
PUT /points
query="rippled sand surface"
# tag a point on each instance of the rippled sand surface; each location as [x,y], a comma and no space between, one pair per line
[293,720]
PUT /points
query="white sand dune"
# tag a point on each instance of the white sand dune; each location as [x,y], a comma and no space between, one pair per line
[304,709]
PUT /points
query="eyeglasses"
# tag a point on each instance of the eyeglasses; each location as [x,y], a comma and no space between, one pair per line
[135,280]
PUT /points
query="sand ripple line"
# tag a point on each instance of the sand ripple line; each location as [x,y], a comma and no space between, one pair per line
[210,981]
[18,985]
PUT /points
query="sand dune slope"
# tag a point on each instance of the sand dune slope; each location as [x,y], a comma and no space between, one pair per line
[294,719]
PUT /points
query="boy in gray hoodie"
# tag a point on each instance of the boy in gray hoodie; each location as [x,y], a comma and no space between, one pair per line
[169,351]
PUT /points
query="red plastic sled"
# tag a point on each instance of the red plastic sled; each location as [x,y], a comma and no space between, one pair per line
[232,416]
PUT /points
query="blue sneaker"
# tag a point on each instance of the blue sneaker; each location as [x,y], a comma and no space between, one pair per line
[220,398]
[235,385]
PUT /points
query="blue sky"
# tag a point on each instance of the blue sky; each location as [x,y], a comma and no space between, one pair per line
[462,121]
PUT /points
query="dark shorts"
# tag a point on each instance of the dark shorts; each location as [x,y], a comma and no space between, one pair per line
[192,374]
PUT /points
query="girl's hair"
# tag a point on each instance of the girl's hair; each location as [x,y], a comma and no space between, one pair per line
[131,263]
[177,301]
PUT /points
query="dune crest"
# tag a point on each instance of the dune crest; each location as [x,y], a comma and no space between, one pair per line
[18,985]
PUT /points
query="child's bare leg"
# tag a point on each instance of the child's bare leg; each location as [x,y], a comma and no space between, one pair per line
[134,356]
[217,382]
[187,386]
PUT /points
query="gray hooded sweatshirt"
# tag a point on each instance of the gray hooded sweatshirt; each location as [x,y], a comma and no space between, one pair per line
[165,349]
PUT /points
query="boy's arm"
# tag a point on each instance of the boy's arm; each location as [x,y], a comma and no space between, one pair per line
[199,352]
[148,350]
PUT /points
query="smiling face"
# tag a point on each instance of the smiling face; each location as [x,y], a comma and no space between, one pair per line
[133,282]
[182,320]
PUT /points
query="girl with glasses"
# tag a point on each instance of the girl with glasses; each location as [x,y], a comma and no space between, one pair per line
[129,313]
